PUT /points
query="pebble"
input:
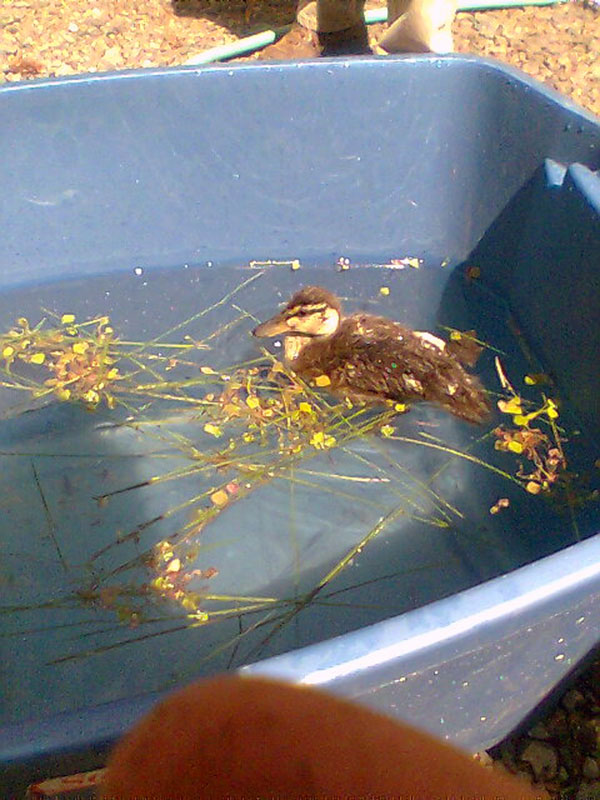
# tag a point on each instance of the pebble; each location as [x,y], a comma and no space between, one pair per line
[591,769]
[588,791]
[64,69]
[558,723]
[543,759]
[563,775]
[595,726]
[539,731]
[111,58]
[573,699]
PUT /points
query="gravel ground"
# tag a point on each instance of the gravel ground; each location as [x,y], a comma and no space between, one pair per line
[559,45]
[561,751]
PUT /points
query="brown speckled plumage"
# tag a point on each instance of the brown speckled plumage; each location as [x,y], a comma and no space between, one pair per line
[373,359]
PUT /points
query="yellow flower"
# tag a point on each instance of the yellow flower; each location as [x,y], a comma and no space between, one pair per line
[536,378]
[322,380]
[91,396]
[252,401]
[80,347]
[550,409]
[512,406]
[220,498]
[321,442]
[67,319]
[384,290]
[214,430]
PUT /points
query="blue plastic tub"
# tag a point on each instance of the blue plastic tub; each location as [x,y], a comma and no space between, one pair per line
[151,196]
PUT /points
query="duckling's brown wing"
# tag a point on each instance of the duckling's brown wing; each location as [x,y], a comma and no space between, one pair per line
[375,358]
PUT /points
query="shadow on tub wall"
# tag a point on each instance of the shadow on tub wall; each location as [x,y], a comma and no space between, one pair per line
[541,256]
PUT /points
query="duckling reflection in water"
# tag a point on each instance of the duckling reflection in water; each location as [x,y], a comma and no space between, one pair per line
[373,359]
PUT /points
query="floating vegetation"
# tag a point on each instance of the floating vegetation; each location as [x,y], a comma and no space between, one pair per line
[79,359]
[544,460]
[235,428]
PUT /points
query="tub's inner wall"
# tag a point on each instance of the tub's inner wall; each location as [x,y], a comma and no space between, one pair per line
[543,255]
[394,156]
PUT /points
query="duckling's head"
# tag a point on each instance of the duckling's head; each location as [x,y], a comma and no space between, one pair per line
[312,312]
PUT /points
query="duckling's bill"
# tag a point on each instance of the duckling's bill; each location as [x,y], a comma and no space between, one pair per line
[272,327]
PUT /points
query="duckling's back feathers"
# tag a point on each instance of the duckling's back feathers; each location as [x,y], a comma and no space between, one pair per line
[377,358]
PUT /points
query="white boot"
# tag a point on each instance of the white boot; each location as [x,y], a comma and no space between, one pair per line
[419,26]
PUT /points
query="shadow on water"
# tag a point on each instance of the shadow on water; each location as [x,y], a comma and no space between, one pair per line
[242,18]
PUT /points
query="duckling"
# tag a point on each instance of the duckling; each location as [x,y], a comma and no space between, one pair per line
[373,359]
